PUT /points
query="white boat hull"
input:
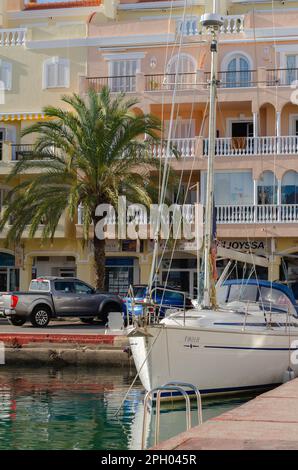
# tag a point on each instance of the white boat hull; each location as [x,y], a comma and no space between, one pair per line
[216,361]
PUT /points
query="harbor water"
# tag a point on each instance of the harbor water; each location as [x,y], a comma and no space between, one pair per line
[75,408]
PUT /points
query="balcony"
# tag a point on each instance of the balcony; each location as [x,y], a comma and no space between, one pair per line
[18,151]
[12,37]
[281,77]
[123,83]
[250,214]
[186,148]
[235,79]
[171,81]
[233,24]
[245,146]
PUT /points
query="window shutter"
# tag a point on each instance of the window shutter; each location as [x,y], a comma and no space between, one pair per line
[6,74]
[63,73]
[51,75]
[10,134]
[56,73]
[291,61]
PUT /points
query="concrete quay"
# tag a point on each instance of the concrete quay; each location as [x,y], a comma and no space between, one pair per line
[65,348]
[268,422]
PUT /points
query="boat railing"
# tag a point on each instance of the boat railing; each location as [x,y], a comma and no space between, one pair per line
[171,389]
[160,305]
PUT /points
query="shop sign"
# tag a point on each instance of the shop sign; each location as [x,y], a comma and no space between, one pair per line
[112,246]
[253,246]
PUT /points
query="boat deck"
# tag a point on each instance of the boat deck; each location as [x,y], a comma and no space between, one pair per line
[268,422]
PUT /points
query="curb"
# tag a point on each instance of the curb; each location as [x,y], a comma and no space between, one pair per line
[64,357]
[22,339]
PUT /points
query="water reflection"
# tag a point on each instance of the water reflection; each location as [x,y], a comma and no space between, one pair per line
[75,409]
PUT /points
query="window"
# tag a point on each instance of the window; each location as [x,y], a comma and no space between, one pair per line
[238,73]
[234,188]
[267,188]
[289,188]
[81,288]
[182,129]
[292,69]
[63,286]
[3,196]
[276,298]
[181,69]
[5,75]
[221,294]
[40,285]
[56,73]
[243,293]
[122,76]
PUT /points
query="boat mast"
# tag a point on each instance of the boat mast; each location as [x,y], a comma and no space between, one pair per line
[212,22]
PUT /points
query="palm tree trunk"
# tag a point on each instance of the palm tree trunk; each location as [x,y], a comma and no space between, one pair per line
[99,262]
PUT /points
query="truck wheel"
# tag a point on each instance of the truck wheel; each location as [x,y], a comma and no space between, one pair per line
[88,321]
[103,316]
[17,321]
[40,317]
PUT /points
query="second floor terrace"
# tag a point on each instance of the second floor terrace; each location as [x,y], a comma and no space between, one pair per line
[129,80]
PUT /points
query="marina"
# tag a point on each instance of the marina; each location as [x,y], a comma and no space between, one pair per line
[74,408]
[148,226]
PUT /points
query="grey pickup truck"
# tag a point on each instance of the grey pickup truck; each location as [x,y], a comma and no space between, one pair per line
[52,297]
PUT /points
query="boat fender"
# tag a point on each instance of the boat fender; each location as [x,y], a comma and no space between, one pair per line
[289,374]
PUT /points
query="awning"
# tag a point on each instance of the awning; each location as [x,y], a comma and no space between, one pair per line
[21,116]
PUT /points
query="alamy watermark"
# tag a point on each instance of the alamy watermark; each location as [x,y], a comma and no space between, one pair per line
[136,221]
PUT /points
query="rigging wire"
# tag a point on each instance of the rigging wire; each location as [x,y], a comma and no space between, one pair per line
[166,163]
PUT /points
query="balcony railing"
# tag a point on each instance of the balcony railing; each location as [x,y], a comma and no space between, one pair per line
[20,151]
[281,77]
[125,83]
[233,24]
[235,79]
[186,148]
[227,214]
[12,37]
[169,81]
[243,146]
[250,214]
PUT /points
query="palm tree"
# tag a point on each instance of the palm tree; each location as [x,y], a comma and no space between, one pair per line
[89,155]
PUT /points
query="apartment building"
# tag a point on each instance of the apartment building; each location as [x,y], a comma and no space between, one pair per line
[158,47]
[157,52]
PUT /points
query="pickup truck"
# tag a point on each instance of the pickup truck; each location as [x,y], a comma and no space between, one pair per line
[52,297]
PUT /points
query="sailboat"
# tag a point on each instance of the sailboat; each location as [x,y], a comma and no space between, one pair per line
[240,345]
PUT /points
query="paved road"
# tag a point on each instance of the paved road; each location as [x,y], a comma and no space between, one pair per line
[71,326]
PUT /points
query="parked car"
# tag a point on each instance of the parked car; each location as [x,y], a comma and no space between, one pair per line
[52,297]
[274,296]
[164,299]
